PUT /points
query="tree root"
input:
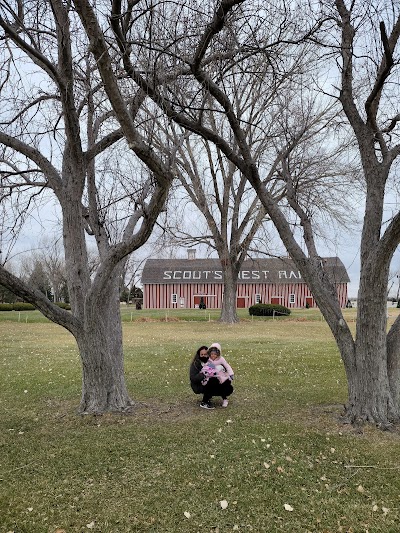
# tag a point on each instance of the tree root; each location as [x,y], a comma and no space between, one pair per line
[372,416]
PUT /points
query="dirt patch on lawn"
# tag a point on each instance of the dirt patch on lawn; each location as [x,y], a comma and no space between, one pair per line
[141,411]
[330,419]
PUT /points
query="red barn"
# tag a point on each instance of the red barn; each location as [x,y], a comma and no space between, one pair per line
[183,283]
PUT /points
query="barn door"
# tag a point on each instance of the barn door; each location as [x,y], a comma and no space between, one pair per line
[240,303]
[310,301]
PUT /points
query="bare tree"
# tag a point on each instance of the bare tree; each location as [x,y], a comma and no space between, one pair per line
[52,258]
[364,40]
[230,209]
[59,119]
[285,131]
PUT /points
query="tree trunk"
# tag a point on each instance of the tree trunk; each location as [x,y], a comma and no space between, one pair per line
[100,347]
[370,395]
[228,311]
[393,356]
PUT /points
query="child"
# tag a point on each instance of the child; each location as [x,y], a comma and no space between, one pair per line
[218,368]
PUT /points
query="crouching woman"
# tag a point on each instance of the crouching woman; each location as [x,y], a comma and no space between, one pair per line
[207,384]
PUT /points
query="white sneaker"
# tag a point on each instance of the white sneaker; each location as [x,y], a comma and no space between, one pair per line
[225,403]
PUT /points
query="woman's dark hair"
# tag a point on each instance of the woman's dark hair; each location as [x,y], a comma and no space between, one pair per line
[197,355]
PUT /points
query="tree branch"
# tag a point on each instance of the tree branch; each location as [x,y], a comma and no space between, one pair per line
[39,300]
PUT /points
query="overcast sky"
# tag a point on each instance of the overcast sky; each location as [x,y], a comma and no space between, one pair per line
[346,247]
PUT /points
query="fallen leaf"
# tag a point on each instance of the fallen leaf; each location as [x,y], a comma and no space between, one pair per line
[267,465]
[360,488]
[90,525]
[223,504]
[375,508]
[385,510]
[187,514]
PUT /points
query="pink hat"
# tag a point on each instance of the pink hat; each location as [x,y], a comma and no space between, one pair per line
[215,345]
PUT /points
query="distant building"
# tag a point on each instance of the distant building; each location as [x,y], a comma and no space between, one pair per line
[184,283]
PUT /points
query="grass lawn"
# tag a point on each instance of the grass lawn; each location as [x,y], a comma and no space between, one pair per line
[278,456]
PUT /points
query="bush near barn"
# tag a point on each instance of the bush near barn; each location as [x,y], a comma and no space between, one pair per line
[268,310]
[23,306]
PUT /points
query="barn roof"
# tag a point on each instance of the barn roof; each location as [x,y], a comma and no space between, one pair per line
[273,270]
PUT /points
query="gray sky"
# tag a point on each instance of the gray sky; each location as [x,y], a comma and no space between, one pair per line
[45,223]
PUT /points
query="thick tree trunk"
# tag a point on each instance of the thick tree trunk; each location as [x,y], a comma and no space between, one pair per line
[101,350]
[228,311]
[393,357]
[370,395]
[103,380]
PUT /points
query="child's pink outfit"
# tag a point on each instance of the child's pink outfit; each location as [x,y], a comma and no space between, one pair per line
[218,368]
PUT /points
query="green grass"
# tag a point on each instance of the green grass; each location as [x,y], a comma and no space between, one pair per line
[279,442]
[130,314]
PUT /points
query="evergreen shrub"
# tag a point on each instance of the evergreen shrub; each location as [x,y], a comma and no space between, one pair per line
[23,306]
[268,310]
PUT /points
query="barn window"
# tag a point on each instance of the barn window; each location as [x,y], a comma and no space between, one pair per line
[258,298]
[174,298]
[292,298]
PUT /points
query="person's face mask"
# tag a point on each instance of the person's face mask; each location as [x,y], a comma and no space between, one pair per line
[204,357]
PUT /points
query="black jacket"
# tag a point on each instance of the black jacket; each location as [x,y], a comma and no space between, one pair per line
[196,376]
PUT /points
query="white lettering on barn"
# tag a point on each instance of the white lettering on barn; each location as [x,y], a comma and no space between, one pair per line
[217,274]
[284,274]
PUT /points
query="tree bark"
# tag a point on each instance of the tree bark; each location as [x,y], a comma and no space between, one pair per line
[371,397]
[228,310]
[101,351]
[393,360]
[103,382]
